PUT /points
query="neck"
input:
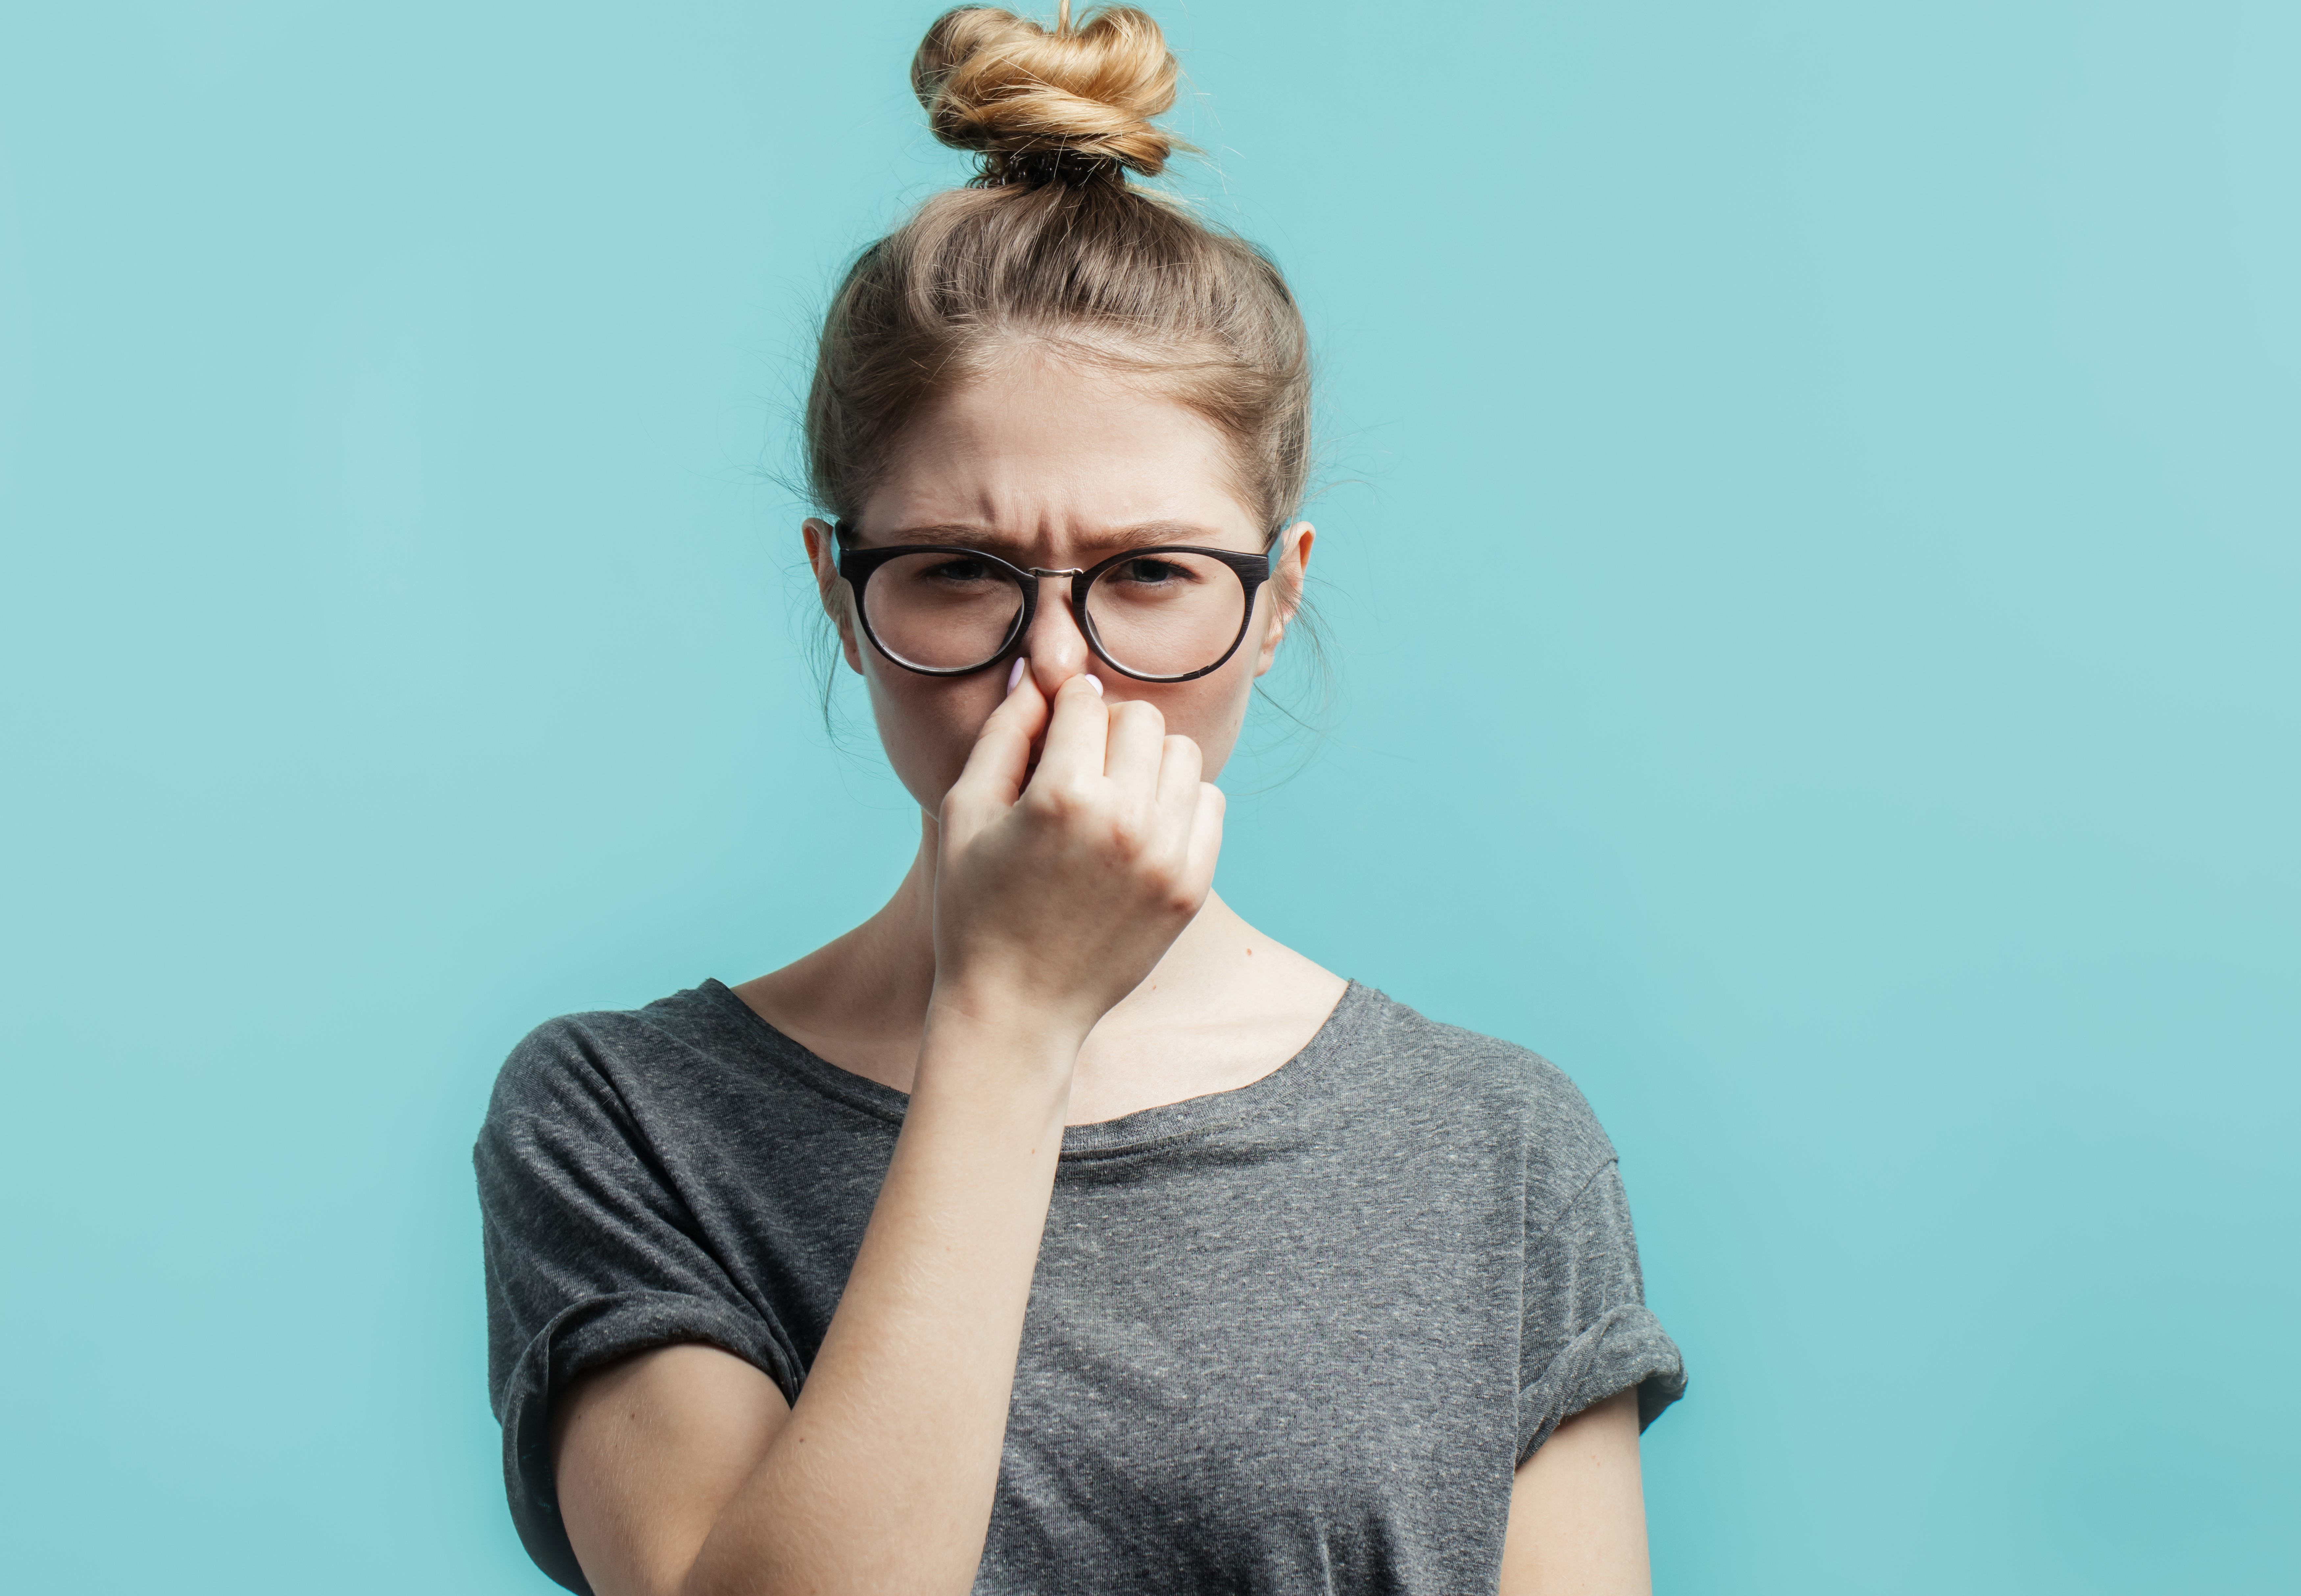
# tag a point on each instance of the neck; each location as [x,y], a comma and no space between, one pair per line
[862,999]
[886,967]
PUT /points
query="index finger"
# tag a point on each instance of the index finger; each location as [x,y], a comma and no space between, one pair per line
[1077,735]
[1002,748]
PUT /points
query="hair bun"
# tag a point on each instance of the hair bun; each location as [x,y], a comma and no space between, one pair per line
[1003,84]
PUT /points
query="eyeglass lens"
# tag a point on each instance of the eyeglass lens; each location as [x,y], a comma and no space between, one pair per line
[1167,614]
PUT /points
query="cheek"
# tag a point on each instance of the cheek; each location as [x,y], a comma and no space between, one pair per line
[928,724]
[1208,711]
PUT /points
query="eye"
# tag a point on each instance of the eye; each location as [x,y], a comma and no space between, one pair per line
[959,568]
[1148,571]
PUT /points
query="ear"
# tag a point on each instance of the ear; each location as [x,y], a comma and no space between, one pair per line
[823,554]
[1285,587]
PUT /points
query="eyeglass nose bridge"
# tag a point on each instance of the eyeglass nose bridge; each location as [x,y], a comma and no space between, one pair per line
[1029,614]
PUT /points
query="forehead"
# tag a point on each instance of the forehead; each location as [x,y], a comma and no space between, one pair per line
[1045,448]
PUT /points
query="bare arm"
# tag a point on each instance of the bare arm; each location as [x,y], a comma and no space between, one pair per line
[682,1473]
[649,1453]
[1578,1519]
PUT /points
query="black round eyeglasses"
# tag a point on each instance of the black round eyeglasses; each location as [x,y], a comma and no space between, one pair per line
[1166,613]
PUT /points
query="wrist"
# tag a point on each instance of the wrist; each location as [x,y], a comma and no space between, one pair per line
[1013,1006]
[995,1030]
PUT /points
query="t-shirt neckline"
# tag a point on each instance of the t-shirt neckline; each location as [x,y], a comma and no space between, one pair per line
[1145,1130]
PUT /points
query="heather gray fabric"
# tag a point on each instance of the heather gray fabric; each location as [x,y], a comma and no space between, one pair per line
[1291,1338]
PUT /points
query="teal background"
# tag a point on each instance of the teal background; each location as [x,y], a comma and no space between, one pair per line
[1811,551]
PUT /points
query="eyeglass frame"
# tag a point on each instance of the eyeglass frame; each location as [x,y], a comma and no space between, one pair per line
[855,566]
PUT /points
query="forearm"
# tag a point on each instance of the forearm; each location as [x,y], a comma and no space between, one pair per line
[884,1476]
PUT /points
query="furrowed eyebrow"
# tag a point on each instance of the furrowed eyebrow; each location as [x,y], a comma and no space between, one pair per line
[992,541]
[967,537]
[1152,531]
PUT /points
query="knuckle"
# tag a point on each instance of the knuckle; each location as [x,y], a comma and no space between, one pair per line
[1161,878]
[1175,892]
[1063,800]
[1129,830]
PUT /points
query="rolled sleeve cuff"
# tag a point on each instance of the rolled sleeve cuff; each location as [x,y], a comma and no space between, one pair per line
[1625,1347]
[589,1336]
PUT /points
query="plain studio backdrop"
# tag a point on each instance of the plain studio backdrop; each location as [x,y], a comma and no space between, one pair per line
[1810,543]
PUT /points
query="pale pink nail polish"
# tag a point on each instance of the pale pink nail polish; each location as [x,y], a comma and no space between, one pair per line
[1015,676]
[1095,682]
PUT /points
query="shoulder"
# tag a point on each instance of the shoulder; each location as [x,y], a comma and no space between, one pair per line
[591,1063]
[1520,1095]
[603,1102]
[575,1052]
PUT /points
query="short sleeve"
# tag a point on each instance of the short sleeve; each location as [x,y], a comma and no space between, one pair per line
[591,1256]
[1586,1332]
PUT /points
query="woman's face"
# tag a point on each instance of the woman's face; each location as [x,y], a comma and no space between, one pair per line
[1054,466]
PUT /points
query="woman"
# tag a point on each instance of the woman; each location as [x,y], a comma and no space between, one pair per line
[1055,1230]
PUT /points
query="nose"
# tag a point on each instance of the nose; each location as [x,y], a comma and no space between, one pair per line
[1055,647]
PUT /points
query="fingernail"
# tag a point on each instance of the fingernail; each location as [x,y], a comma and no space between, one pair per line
[1095,682]
[1015,676]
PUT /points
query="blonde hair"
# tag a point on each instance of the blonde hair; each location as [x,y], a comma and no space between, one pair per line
[1052,247]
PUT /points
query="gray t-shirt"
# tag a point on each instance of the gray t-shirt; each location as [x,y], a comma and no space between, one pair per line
[1289,1338]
